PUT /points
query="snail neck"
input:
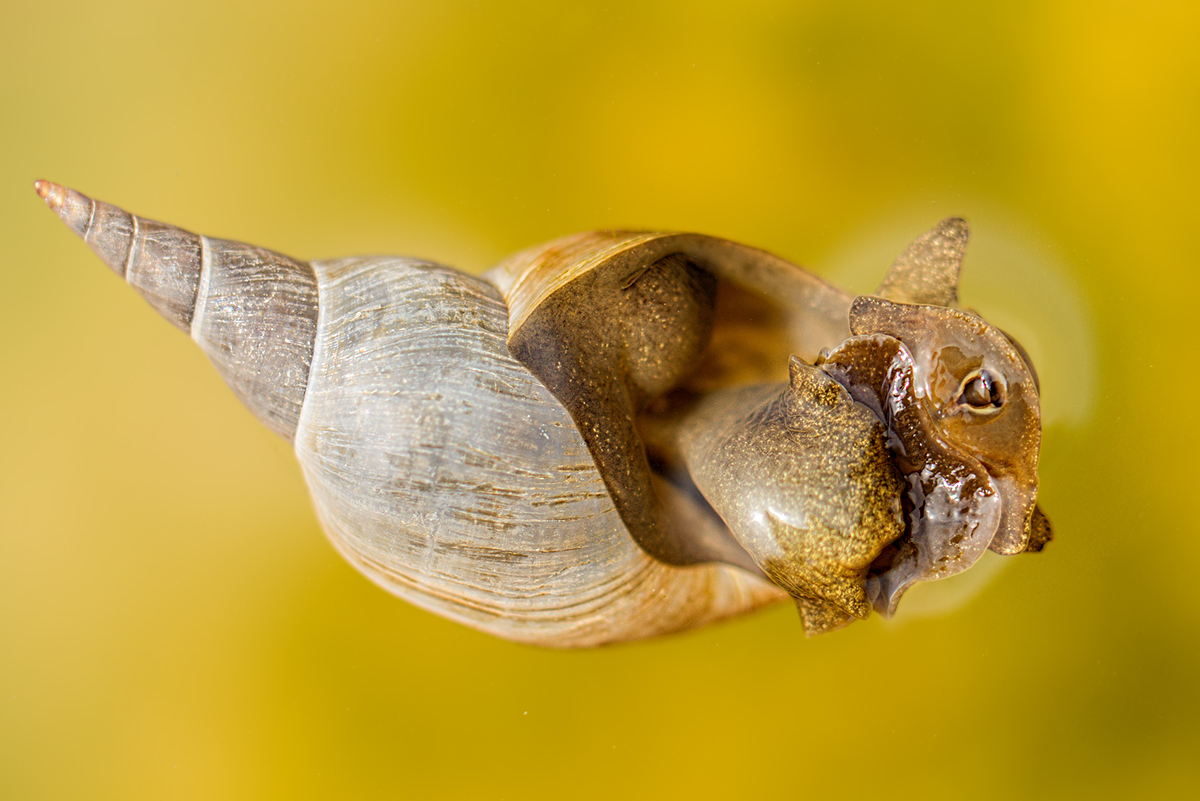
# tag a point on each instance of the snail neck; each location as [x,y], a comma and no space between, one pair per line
[680,445]
[800,473]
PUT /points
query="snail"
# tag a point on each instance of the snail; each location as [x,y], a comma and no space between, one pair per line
[618,435]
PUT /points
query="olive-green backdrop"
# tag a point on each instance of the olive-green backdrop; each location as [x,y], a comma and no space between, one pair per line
[173,623]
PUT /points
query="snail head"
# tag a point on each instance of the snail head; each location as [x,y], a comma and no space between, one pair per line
[960,399]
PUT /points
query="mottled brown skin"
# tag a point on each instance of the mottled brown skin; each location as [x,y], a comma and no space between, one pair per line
[949,346]
[952,507]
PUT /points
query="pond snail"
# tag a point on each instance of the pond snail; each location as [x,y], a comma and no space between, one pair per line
[618,434]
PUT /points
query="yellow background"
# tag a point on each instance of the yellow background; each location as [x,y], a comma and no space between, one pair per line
[172,622]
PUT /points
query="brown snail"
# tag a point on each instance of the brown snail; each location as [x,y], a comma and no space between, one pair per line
[618,435]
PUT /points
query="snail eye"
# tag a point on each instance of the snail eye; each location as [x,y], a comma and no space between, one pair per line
[982,391]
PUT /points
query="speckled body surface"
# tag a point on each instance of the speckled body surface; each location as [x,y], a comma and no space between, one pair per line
[800,472]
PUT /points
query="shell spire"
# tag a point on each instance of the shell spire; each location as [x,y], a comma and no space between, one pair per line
[253,311]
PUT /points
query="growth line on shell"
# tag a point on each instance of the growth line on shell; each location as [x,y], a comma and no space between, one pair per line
[133,240]
[91,220]
[197,329]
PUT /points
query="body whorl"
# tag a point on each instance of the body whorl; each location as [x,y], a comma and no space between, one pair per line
[447,473]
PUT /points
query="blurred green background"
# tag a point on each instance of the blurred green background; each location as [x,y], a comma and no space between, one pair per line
[173,624]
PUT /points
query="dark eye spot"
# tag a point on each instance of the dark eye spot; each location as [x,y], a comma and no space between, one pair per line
[982,391]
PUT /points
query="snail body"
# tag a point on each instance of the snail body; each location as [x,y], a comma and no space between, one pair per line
[614,435]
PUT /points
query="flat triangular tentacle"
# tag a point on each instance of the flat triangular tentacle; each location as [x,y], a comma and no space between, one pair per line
[927,271]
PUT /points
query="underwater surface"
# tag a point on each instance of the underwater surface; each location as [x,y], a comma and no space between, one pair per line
[174,623]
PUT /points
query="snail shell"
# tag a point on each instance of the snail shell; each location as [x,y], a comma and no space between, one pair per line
[615,435]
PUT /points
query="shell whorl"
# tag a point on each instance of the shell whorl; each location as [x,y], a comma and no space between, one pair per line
[252,311]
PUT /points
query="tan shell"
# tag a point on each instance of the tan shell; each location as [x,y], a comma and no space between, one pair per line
[530,453]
